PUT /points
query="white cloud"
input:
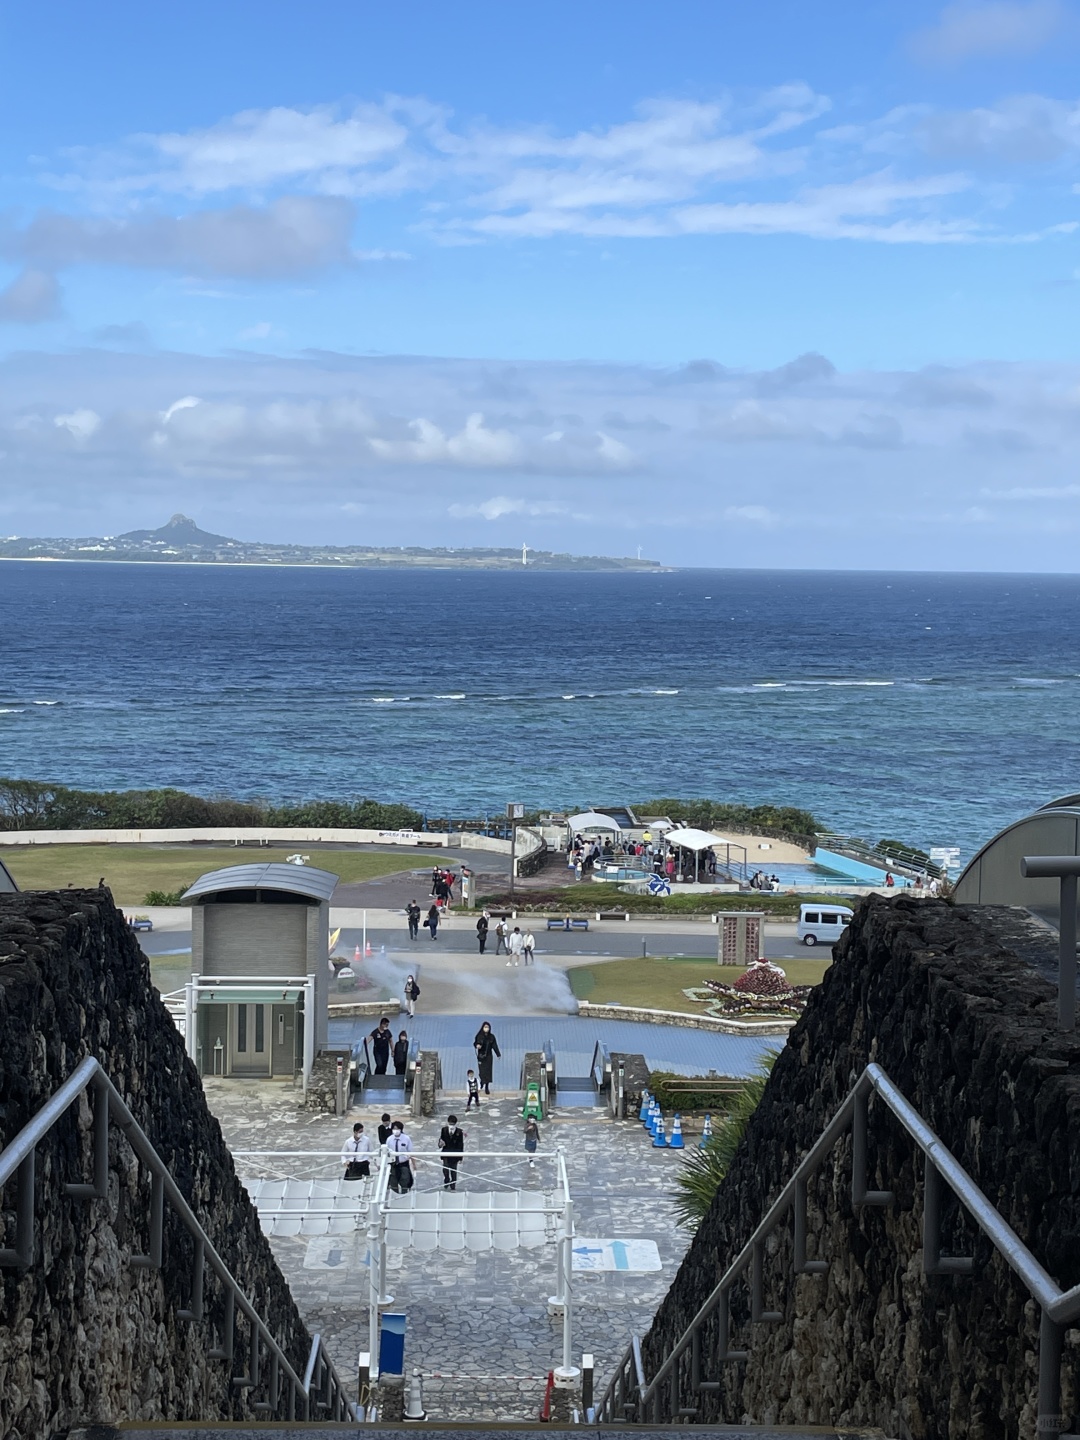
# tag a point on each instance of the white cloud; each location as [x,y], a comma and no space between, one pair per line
[751,514]
[981,29]
[501,505]
[260,331]
[185,403]
[473,445]
[80,424]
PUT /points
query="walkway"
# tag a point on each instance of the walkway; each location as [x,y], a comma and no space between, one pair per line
[665,1047]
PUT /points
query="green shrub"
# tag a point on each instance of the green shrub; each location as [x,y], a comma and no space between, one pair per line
[702,1171]
[165,897]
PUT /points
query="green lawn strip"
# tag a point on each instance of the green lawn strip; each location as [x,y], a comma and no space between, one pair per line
[587,898]
[132,870]
[657,983]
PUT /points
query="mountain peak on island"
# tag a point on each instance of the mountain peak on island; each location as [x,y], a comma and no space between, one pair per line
[180,530]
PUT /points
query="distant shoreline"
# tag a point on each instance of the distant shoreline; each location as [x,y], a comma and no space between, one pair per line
[509,569]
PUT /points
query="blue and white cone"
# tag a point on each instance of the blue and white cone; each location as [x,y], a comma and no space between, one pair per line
[646,1107]
[676,1141]
[706,1134]
[660,1136]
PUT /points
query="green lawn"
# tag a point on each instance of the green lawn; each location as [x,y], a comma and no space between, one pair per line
[658,982]
[132,870]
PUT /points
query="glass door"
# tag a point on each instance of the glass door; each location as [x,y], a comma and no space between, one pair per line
[249,1040]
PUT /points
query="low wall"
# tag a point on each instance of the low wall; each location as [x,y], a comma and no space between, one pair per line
[858,870]
[687,1022]
[946,999]
[84,1336]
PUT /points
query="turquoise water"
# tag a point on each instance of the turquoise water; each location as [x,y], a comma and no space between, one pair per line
[930,709]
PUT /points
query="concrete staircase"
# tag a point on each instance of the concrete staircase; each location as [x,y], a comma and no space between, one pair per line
[461,1431]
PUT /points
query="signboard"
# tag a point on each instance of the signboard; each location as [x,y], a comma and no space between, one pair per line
[945,854]
[515,812]
[638,1257]
[391,1344]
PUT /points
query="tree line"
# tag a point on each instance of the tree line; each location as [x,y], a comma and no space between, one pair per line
[777,820]
[35,805]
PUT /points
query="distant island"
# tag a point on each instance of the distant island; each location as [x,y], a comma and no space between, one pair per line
[182,542]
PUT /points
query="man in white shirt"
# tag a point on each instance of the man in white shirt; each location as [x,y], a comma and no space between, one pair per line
[528,945]
[399,1150]
[516,944]
[356,1154]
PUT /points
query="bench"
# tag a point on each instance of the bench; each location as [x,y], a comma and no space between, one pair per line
[567,922]
[613,914]
[502,914]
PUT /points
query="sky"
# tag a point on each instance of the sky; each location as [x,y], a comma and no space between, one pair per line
[775,285]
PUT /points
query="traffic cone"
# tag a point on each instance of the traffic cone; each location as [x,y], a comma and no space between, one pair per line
[414,1408]
[646,1106]
[706,1134]
[357,957]
[660,1136]
[676,1141]
[368,952]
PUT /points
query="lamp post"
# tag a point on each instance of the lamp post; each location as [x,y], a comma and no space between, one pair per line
[513,813]
[1064,868]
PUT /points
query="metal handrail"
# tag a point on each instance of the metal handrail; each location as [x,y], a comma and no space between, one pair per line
[306,1397]
[1059,1308]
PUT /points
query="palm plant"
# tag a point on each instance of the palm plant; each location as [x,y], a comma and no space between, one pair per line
[702,1171]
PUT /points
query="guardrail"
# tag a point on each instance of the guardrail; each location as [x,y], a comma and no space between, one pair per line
[317,1394]
[629,1396]
[857,849]
[1065,868]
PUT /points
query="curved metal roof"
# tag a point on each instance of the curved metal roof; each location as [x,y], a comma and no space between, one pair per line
[293,879]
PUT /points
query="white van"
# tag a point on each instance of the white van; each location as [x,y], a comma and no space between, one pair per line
[822,923]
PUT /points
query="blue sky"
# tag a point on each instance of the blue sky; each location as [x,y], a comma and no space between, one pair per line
[781,284]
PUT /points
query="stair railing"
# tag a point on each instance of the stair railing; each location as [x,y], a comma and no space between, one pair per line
[317,1394]
[630,1397]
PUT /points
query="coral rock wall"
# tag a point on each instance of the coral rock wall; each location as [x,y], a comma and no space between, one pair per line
[84,1336]
[945,999]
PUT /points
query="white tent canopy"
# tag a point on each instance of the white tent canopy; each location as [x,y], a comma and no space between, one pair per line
[690,839]
[592,820]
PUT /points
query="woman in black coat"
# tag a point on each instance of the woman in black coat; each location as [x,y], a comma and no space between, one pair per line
[401,1053]
[486,1046]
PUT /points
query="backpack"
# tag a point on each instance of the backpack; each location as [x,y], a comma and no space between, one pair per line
[414,990]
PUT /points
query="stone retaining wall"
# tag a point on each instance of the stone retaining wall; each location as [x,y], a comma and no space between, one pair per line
[948,1002]
[687,1022]
[83,1336]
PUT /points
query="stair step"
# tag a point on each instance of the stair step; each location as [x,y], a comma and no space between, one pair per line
[461,1430]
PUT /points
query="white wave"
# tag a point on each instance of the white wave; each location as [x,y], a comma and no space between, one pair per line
[1035,680]
[665,692]
[458,696]
[569,697]
[10,710]
[46,702]
[383,699]
[771,685]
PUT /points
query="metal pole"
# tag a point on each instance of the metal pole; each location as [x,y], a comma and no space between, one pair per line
[374,1285]
[363,948]
[513,855]
[568,1260]
[189,1016]
[309,1029]
[1050,1421]
[1067,955]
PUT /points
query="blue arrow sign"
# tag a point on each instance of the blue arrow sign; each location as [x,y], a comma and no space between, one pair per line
[618,1249]
[588,1250]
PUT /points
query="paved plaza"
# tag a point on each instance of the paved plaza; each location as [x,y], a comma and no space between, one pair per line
[478,1325]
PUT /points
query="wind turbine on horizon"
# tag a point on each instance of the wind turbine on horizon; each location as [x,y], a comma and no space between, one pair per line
[524,554]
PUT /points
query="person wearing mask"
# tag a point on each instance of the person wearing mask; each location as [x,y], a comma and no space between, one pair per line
[412,910]
[412,994]
[482,926]
[500,937]
[528,947]
[432,921]
[401,1053]
[472,1084]
[399,1149]
[356,1154]
[452,1145]
[486,1047]
[381,1039]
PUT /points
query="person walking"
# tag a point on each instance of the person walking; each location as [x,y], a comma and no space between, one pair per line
[401,1053]
[528,947]
[412,994]
[399,1149]
[412,910]
[482,926]
[532,1139]
[384,1129]
[473,1086]
[452,1145]
[356,1154]
[500,937]
[432,921]
[515,945]
[380,1045]
[486,1047]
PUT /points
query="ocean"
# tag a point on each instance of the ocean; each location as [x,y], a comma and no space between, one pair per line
[926,708]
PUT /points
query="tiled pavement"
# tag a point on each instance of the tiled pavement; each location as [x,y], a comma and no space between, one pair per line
[475,1319]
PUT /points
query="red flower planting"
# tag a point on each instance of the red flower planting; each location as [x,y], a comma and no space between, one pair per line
[763,978]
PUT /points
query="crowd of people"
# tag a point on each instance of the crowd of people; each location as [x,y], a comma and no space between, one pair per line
[360,1149]
[519,945]
[586,852]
